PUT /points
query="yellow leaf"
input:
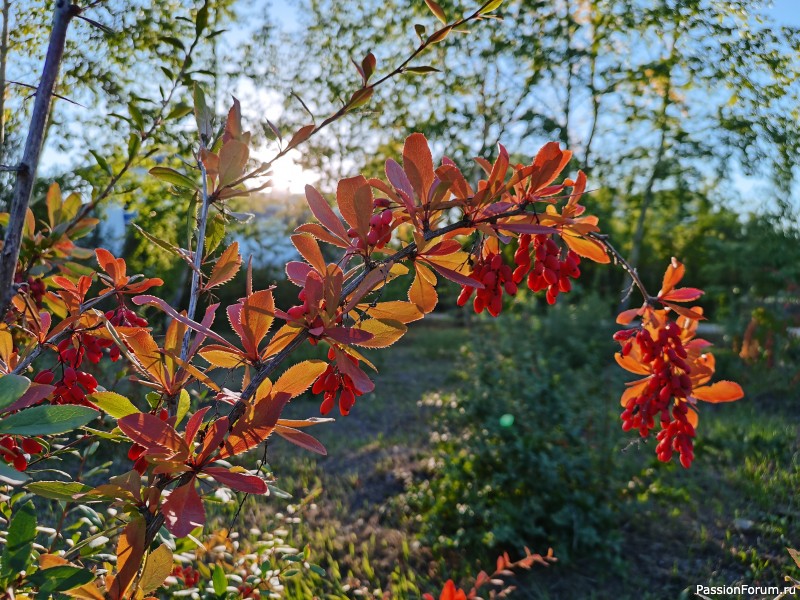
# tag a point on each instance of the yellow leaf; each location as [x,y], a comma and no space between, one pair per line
[384,332]
[422,292]
[587,248]
[398,310]
[156,569]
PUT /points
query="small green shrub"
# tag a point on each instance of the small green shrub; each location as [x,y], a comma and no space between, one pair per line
[523,454]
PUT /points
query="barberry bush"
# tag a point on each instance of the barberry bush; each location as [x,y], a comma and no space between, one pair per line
[198,402]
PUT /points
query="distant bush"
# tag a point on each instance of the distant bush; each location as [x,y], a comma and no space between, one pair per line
[522,454]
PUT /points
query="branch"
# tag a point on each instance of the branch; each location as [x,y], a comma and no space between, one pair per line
[64,12]
[630,269]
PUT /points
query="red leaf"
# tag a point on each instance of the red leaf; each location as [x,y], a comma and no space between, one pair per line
[549,162]
[214,436]
[242,482]
[152,433]
[33,395]
[163,305]
[193,424]
[682,295]
[347,335]
[183,510]
[324,213]
[302,439]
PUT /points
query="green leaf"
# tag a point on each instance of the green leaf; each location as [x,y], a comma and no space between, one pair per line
[136,115]
[59,579]
[134,143]
[173,177]
[57,490]
[202,114]
[202,19]
[159,242]
[12,476]
[360,97]
[183,406]
[11,389]
[493,5]
[215,233]
[17,555]
[179,112]
[318,570]
[47,420]
[153,399]
[420,29]
[219,581]
[422,69]
[102,162]
[114,404]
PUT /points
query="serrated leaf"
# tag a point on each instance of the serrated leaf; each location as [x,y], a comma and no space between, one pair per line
[47,420]
[215,233]
[156,569]
[114,404]
[226,266]
[57,490]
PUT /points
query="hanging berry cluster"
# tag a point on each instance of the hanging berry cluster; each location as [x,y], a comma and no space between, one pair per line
[665,357]
[496,278]
[333,382]
[539,257]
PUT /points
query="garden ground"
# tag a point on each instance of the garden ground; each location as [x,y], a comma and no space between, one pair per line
[728,520]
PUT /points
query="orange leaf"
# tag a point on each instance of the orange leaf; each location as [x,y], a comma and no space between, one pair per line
[721,391]
[130,551]
[354,197]
[587,248]
[301,136]
[255,426]
[220,356]
[418,165]
[298,378]
[672,276]
[226,267]
[689,313]
[308,248]
[626,316]
[397,310]
[258,311]
[549,162]
[422,292]
[682,295]
[631,364]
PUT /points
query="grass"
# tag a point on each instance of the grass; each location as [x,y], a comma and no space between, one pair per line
[725,521]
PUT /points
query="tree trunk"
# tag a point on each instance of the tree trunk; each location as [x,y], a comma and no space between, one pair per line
[26,173]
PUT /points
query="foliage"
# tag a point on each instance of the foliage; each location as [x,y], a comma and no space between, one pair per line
[185,434]
[525,436]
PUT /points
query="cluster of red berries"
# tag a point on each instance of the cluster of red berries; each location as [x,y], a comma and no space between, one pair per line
[35,288]
[136,451]
[189,575]
[670,379]
[315,325]
[15,450]
[75,384]
[333,382]
[544,267]
[496,277]
[380,227]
